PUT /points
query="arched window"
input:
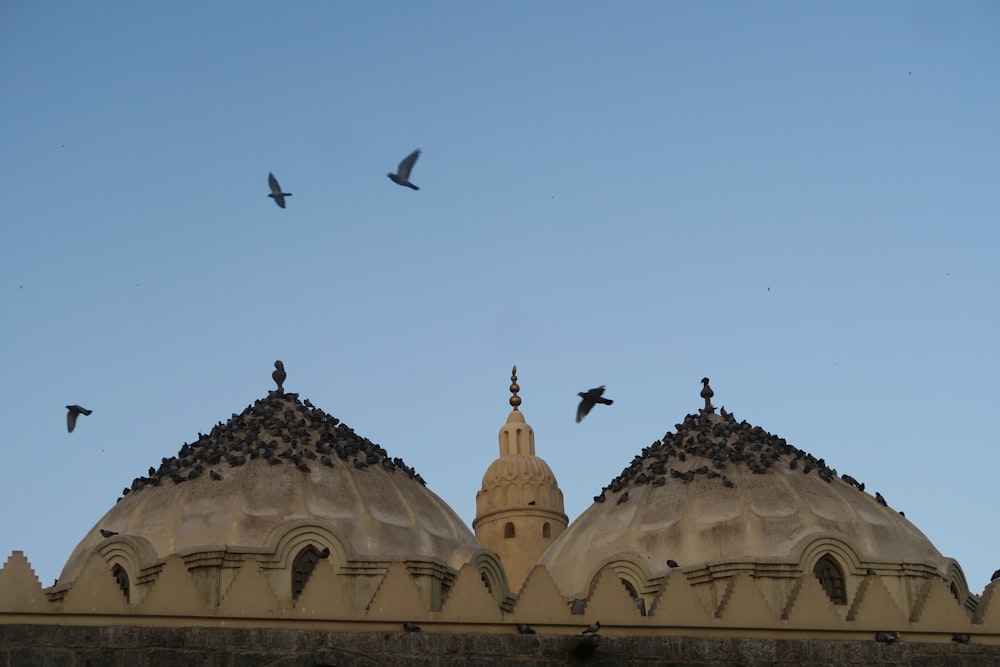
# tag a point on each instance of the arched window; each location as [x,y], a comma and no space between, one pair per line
[302,568]
[486,582]
[954,591]
[546,530]
[121,576]
[508,530]
[639,602]
[831,578]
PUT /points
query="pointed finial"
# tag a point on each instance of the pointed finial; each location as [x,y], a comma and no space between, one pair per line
[279,376]
[707,394]
[515,400]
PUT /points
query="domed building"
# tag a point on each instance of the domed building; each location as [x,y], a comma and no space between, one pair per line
[282,537]
[717,498]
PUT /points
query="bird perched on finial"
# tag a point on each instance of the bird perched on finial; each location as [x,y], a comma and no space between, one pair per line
[589,399]
[707,394]
[74,412]
[279,376]
[402,175]
[276,194]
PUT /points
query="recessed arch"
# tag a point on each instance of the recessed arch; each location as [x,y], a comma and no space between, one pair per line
[302,568]
[831,577]
[546,530]
[508,531]
[121,576]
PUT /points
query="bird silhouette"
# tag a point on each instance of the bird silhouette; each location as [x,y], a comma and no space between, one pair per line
[671,563]
[960,637]
[74,412]
[411,627]
[887,637]
[996,575]
[525,629]
[402,175]
[592,629]
[276,194]
[279,376]
[325,553]
[107,533]
[588,399]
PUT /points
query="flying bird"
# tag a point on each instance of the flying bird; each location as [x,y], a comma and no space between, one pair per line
[592,629]
[276,194]
[107,533]
[589,399]
[74,412]
[402,175]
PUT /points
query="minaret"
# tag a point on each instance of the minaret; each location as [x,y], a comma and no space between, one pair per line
[519,510]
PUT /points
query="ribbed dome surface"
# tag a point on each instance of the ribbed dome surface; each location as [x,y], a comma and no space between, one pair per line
[520,467]
[283,461]
[718,491]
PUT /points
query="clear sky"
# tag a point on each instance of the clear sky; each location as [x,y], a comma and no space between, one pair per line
[796,199]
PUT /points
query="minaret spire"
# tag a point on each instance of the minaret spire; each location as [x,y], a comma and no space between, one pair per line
[515,400]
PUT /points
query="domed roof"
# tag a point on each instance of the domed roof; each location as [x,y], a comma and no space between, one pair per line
[282,462]
[720,491]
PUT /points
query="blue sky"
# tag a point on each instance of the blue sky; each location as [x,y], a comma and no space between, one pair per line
[797,200]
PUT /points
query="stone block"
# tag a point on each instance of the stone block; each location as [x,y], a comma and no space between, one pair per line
[161,657]
[120,636]
[753,650]
[827,652]
[488,645]
[99,658]
[705,648]
[274,640]
[228,638]
[650,647]
[861,653]
[523,645]
[791,650]
[154,637]
[937,660]
[79,636]
[310,640]
[41,657]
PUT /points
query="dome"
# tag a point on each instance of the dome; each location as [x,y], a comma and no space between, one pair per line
[719,494]
[281,465]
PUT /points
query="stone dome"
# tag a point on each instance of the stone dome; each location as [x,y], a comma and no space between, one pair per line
[718,496]
[280,465]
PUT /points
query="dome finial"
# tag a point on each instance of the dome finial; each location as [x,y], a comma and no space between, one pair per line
[707,394]
[279,376]
[515,400]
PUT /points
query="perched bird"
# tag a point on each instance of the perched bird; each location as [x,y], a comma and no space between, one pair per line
[525,629]
[107,533]
[960,637]
[623,498]
[279,376]
[671,563]
[214,475]
[589,399]
[879,499]
[74,412]
[870,572]
[411,627]
[887,637]
[996,575]
[402,175]
[707,394]
[325,553]
[276,194]
[592,629]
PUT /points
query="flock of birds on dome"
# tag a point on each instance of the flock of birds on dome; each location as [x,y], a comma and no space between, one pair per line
[280,429]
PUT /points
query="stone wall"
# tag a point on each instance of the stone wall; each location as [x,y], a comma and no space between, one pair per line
[134,646]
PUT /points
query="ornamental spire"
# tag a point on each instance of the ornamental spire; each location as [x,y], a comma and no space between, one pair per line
[515,400]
